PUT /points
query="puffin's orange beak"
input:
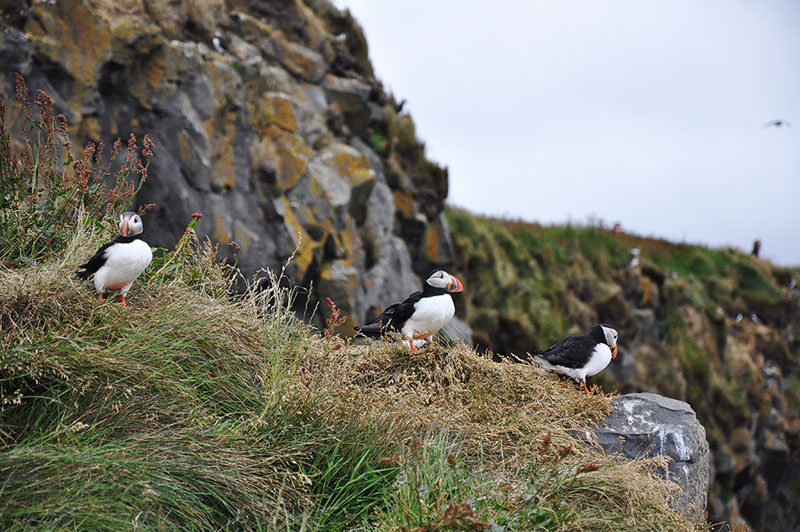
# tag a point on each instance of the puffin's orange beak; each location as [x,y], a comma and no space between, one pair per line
[124,228]
[458,286]
[613,352]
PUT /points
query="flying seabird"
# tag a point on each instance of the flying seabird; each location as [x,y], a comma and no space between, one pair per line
[777,123]
[422,314]
[117,264]
[581,355]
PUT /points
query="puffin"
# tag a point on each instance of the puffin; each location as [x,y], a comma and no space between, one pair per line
[220,43]
[581,355]
[117,264]
[422,314]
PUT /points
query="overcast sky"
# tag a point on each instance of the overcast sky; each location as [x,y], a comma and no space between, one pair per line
[640,112]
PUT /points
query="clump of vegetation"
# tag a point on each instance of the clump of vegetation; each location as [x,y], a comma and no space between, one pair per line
[193,409]
[44,190]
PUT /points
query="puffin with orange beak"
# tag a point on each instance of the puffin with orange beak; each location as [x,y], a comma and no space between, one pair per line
[117,264]
[581,355]
[422,314]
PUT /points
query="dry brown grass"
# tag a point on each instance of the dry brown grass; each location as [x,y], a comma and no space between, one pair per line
[510,419]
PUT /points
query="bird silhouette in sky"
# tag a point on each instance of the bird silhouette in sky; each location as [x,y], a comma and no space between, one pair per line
[777,123]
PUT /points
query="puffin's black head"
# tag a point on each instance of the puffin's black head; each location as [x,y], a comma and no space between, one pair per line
[130,224]
[442,279]
[606,335]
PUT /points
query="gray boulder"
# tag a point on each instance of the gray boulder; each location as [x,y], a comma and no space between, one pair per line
[648,425]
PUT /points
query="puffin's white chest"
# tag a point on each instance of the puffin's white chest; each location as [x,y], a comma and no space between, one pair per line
[430,315]
[124,263]
[601,357]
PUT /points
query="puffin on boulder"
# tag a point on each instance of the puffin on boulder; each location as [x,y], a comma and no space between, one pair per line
[117,264]
[581,355]
[422,314]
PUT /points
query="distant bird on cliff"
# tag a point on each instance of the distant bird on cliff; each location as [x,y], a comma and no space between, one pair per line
[220,43]
[634,258]
[777,123]
[398,108]
[117,264]
[581,355]
[756,248]
[422,314]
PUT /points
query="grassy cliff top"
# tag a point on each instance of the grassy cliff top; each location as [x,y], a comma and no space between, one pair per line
[194,411]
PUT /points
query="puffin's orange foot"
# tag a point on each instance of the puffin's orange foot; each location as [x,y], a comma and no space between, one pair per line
[411,343]
[123,302]
[100,297]
[585,388]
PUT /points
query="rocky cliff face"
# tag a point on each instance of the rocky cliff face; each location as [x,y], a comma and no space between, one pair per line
[278,133]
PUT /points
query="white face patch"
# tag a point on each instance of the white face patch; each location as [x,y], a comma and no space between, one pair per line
[135,225]
[439,279]
[611,335]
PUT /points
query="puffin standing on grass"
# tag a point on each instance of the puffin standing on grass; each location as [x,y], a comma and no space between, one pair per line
[422,314]
[581,355]
[117,264]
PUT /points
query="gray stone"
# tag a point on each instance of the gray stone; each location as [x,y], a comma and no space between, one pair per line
[648,425]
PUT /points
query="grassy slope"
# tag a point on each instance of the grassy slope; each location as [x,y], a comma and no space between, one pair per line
[528,285]
[187,411]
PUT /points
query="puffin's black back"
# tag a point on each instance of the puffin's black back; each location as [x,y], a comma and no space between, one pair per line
[571,352]
[392,318]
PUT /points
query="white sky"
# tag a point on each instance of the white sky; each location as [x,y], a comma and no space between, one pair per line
[640,112]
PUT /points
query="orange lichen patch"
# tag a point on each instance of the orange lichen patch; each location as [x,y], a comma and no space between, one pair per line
[133,37]
[299,92]
[150,80]
[352,165]
[221,128]
[433,241]
[301,61]
[243,236]
[292,156]
[222,230]
[170,16]
[249,26]
[222,80]
[187,154]
[272,109]
[404,202]
[305,252]
[89,128]
[68,33]
[351,240]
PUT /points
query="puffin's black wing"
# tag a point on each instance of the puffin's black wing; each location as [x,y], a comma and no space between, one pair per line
[392,318]
[95,263]
[571,352]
